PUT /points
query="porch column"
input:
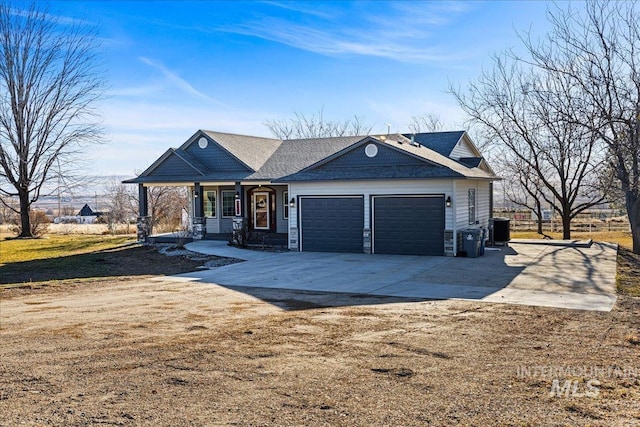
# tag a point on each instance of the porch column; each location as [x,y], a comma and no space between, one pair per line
[199,220]
[143,200]
[143,224]
[238,220]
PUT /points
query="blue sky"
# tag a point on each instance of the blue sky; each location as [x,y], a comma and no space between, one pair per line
[175,67]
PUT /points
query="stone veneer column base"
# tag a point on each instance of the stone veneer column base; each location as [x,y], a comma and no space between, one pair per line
[199,228]
[448,243]
[143,225]
[366,240]
[293,239]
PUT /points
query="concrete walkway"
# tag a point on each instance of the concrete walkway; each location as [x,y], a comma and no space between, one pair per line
[540,275]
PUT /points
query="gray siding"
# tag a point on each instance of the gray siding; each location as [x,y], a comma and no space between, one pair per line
[173,166]
[282,224]
[386,157]
[462,203]
[216,158]
[462,149]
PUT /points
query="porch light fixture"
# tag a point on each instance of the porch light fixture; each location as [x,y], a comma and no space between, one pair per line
[292,203]
[448,201]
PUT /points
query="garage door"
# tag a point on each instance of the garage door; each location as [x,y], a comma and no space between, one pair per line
[408,225]
[331,224]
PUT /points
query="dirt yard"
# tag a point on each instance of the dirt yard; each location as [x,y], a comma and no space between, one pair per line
[154,351]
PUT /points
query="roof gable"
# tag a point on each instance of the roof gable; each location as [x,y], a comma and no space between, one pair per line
[213,155]
[173,164]
[465,148]
[356,156]
[360,161]
[86,211]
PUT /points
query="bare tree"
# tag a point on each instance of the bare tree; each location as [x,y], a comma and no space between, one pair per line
[316,126]
[597,51]
[166,205]
[522,186]
[522,108]
[429,122]
[49,83]
[67,210]
[8,207]
[121,204]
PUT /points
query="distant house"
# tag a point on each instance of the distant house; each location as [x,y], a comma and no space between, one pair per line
[390,194]
[85,216]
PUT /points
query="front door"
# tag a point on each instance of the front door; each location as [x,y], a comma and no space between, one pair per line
[261,210]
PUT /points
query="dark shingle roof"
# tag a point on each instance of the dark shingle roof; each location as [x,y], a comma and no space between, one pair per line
[436,165]
[253,151]
[387,172]
[440,142]
[293,155]
[302,159]
[471,162]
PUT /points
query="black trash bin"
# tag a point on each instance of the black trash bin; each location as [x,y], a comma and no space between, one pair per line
[472,241]
[501,230]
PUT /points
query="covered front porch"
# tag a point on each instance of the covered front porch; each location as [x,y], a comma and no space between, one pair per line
[218,209]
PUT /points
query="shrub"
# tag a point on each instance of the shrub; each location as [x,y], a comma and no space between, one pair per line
[240,237]
[39,223]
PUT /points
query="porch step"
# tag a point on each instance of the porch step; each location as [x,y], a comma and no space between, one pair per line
[269,239]
[168,238]
[263,239]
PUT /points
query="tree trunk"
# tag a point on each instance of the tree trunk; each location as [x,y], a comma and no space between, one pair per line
[539,214]
[633,211]
[566,226]
[25,210]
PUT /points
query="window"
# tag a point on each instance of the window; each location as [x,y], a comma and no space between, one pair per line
[285,204]
[210,203]
[228,203]
[472,206]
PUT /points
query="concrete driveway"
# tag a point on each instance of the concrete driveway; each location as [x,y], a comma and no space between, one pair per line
[530,274]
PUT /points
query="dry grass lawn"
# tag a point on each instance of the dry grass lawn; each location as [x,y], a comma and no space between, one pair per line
[150,350]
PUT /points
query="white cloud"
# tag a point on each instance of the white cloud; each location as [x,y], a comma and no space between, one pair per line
[56,19]
[176,81]
[406,32]
[299,7]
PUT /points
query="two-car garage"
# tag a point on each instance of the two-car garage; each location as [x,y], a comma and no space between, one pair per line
[400,224]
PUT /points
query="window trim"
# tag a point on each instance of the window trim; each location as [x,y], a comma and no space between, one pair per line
[285,205]
[233,203]
[472,200]
[205,200]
